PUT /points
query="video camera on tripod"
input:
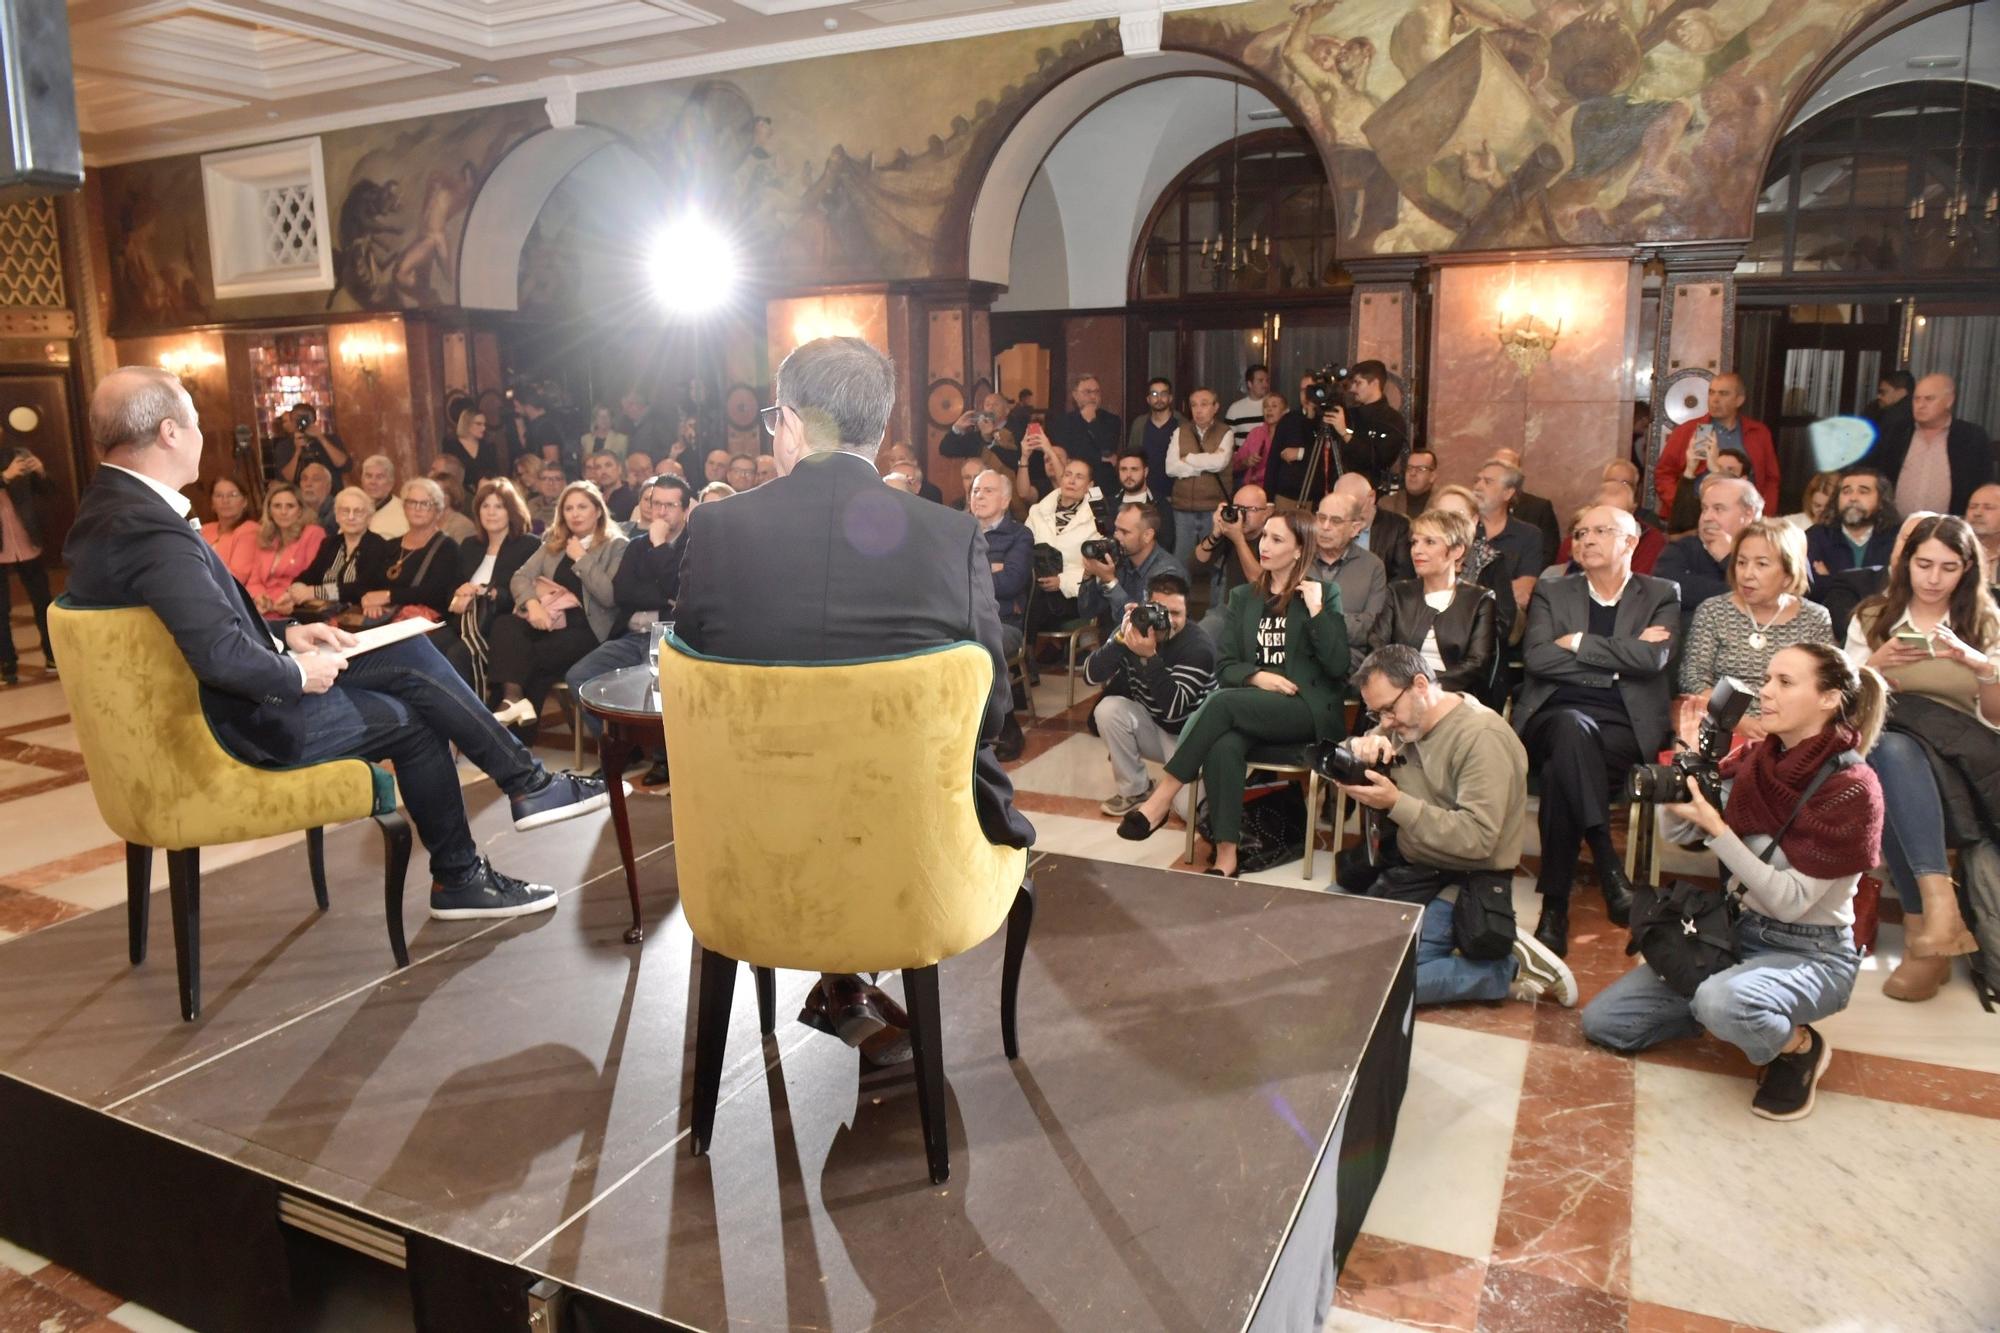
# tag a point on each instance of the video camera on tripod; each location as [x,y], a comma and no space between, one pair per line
[1329,388]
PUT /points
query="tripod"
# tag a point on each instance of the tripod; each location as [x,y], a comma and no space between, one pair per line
[1325,449]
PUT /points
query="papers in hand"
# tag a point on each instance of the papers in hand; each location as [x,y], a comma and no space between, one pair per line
[368,640]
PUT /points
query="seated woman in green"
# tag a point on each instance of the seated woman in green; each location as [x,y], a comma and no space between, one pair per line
[1282,667]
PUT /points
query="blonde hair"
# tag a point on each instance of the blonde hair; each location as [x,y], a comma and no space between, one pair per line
[269,536]
[1462,492]
[559,533]
[1447,525]
[1786,541]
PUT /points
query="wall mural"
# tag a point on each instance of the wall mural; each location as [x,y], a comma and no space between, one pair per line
[1485,124]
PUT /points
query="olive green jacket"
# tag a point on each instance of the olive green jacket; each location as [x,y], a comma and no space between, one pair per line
[1315,653]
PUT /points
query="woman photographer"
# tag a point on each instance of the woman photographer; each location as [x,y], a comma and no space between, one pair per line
[491,557]
[1935,635]
[565,604]
[1281,669]
[1795,934]
[1448,621]
[1765,610]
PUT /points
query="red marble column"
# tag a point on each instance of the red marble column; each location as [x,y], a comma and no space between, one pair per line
[1382,323]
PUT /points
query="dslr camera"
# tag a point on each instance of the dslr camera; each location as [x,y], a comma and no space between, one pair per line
[1232,513]
[1337,762]
[1701,767]
[1152,618]
[1098,548]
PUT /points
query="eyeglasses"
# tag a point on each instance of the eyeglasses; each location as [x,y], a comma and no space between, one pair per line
[1384,712]
[1602,530]
[767,417]
[1420,467]
[408,503]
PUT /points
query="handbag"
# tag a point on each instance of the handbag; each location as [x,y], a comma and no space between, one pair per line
[1482,920]
[1274,829]
[1047,560]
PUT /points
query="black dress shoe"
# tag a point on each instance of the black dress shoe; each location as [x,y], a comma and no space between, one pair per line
[1012,740]
[657,775]
[1134,828]
[1553,929]
[1617,893]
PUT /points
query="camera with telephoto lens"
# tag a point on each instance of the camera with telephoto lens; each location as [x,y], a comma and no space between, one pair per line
[1701,767]
[1329,386]
[1232,513]
[1336,762]
[1151,618]
[1097,548]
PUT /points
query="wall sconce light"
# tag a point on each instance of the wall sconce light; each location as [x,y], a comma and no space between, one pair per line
[1527,334]
[187,363]
[364,352]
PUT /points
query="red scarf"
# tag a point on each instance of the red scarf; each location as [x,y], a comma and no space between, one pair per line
[1839,834]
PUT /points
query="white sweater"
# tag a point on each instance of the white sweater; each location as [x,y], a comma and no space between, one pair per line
[1773,889]
[1081,528]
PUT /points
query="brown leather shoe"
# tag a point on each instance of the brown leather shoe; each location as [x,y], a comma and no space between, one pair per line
[845,1007]
[888,1047]
[1917,979]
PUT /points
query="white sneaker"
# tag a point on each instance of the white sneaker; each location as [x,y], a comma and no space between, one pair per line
[1120,805]
[1542,974]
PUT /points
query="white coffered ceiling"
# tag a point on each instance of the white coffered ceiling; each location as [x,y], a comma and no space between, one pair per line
[156,77]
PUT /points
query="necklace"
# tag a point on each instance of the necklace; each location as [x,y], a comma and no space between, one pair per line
[1756,639]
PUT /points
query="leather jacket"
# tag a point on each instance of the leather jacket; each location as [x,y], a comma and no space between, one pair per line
[1465,632]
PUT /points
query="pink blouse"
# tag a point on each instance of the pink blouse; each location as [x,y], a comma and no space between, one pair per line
[270,574]
[231,546]
[1254,456]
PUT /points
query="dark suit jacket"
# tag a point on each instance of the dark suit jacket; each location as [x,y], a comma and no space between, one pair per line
[1561,607]
[25,491]
[1464,629]
[1316,657]
[1688,565]
[1389,542]
[515,551]
[1965,447]
[1012,545]
[1539,513]
[828,564]
[1826,544]
[129,548]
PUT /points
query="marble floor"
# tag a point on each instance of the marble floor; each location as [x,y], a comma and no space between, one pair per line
[1537,1183]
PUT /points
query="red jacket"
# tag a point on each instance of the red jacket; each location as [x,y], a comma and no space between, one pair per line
[1756,443]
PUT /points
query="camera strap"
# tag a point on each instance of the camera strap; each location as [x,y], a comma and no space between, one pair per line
[1845,759]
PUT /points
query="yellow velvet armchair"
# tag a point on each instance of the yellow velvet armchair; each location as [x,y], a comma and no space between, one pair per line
[824,821]
[162,779]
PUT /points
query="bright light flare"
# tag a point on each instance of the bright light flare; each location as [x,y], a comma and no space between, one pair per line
[693,266]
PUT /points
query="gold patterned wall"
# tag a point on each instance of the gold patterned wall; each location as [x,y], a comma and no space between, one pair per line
[31,275]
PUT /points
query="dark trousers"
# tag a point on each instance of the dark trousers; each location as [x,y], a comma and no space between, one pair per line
[35,582]
[405,704]
[1050,611]
[1216,743]
[1582,757]
[535,659]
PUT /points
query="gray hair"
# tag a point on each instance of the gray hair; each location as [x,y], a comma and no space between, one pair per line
[1005,481]
[1510,476]
[132,402]
[1747,493]
[431,489]
[842,390]
[1397,663]
[383,459]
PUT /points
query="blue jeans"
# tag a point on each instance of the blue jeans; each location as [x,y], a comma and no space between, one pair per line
[1912,815]
[627,650]
[405,704]
[1443,975]
[1789,975]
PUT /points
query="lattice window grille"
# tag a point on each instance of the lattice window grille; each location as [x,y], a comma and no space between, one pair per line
[30,256]
[290,239]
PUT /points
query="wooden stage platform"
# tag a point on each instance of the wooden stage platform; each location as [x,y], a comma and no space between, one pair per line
[1209,1077]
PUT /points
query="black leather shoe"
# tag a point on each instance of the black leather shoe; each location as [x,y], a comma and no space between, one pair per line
[1134,828]
[1552,930]
[1011,742]
[657,775]
[1617,893]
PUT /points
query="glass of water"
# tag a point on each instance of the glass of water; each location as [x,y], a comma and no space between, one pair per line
[655,636]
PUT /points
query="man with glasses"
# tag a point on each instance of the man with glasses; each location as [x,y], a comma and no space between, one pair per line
[1452,779]
[1594,703]
[1338,558]
[1419,477]
[1228,554]
[1152,436]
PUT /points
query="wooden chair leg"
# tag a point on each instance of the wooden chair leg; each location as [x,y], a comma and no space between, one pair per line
[1020,920]
[1193,790]
[395,870]
[184,891]
[767,999]
[1072,668]
[138,898]
[576,730]
[316,861]
[711,1037]
[920,997]
[1312,820]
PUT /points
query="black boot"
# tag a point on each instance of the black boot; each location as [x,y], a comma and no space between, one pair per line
[1617,892]
[1011,740]
[1553,928]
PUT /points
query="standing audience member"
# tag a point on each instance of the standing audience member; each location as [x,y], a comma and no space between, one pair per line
[1153,679]
[639,470]
[1796,932]
[1109,586]
[1696,563]
[1019,414]
[300,441]
[684,448]
[1457,806]
[1764,611]
[490,557]
[1595,702]
[316,494]
[1199,466]
[378,479]
[1135,487]
[234,527]
[1247,412]
[350,560]
[22,484]
[1089,432]
[1517,544]
[602,434]
[1937,460]
[979,436]
[1691,447]
[1152,437]
[1935,636]
[539,432]
[1890,411]
[1982,515]
[1383,533]
[1290,456]
[1445,618]
[287,542]
[1282,667]
[565,604]
[647,426]
[423,562]
[1338,559]
[1372,434]
[1254,453]
[479,458]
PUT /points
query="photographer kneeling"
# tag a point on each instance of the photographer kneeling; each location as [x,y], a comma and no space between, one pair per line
[1155,671]
[1457,807]
[1803,787]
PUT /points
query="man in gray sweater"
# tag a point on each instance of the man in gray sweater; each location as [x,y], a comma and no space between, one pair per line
[1457,806]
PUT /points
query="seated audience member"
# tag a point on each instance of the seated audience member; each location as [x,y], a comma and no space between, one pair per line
[907,482]
[1457,804]
[1593,704]
[1764,611]
[131,546]
[1795,934]
[1982,515]
[1152,681]
[1339,559]
[894,458]
[1254,453]
[1858,529]
[767,469]
[287,541]
[1534,510]
[1820,502]
[316,494]
[1686,512]
[1135,487]
[378,479]
[1010,552]
[1198,463]
[1690,448]
[1695,563]
[527,476]
[604,471]
[1281,668]
[1419,480]
[233,531]
[478,454]
[1062,519]
[1137,557]
[489,558]
[457,524]
[565,604]
[967,471]
[350,560]
[1935,636]
[549,483]
[715,465]
[423,567]
[1231,550]
[1384,533]
[603,435]
[1447,620]
[639,470]
[715,490]
[1483,565]
[1517,543]
[1619,494]
[1936,459]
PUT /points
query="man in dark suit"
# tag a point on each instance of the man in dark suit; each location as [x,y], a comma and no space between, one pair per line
[1936,460]
[1595,702]
[133,545]
[1698,564]
[890,574]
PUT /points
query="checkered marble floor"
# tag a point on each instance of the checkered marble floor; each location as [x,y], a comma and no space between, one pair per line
[1537,1183]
